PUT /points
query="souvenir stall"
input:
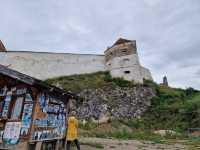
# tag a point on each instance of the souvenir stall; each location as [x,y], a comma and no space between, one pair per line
[31,111]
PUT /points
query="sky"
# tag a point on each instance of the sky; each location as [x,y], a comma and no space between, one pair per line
[167,31]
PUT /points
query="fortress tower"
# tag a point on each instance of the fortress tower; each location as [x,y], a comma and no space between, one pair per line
[122,60]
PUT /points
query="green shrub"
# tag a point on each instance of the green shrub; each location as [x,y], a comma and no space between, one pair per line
[88,125]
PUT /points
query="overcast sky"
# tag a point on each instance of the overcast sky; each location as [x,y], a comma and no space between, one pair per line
[167,31]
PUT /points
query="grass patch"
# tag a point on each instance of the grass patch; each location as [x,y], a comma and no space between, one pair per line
[76,83]
[193,144]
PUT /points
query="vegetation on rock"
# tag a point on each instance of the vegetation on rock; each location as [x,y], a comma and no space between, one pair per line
[171,109]
[77,83]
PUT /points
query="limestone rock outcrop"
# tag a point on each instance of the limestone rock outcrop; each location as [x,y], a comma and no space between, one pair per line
[116,102]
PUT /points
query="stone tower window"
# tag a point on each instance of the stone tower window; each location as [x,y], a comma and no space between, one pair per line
[127,72]
[126,60]
[124,50]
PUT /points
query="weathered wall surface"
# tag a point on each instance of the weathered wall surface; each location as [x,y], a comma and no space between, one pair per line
[43,65]
[146,74]
[129,68]
[49,65]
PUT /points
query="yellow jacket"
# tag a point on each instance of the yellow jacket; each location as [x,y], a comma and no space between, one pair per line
[72,129]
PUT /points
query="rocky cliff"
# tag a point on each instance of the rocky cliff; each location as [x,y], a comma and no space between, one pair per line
[101,96]
[114,102]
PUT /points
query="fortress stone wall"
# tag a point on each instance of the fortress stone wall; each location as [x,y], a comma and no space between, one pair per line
[49,65]
[121,60]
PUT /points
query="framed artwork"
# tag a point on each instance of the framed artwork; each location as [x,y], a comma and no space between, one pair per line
[21,91]
[1,106]
[3,91]
[16,111]
[6,106]
[26,116]
[28,98]
[11,132]
[24,131]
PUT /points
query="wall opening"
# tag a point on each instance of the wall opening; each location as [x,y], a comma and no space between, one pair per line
[127,72]
[126,60]
[124,50]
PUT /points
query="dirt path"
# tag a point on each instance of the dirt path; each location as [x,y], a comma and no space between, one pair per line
[110,144]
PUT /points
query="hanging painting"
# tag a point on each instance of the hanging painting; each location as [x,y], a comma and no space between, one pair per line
[26,119]
[16,112]
[11,132]
[6,106]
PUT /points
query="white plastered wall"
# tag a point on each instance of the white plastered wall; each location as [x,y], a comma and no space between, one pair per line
[129,68]
[49,65]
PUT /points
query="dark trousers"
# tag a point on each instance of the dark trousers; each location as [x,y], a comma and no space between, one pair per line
[76,142]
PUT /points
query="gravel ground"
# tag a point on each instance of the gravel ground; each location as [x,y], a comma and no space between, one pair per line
[110,144]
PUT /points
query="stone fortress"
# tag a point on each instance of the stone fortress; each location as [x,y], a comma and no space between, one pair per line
[121,60]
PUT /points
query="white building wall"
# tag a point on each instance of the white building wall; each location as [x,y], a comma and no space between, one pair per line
[49,65]
[120,66]
[123,61]
[146,74]
[134,75]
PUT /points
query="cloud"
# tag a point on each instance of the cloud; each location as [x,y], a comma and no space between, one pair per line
[167,32]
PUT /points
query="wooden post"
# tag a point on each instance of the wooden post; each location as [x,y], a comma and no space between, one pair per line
[38,145]
[57,147]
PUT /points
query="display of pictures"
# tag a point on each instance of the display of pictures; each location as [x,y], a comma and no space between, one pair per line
[1,105]
[28,98]
[26,119]
[43,101]
[21,91]
[16,112]
[3,91]
[47,134]
[55,118]
[53,108]
[24,131]
[16,105]
[11,132]
[41,122]
[6,106]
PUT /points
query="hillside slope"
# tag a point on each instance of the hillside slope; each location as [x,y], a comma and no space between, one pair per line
[104,97]
[171,108]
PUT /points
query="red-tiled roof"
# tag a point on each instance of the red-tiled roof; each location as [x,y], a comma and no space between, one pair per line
[2,47]
[121,41]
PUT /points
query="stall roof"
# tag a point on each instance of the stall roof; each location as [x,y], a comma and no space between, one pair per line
[120,41]
[2,47]
[34,82]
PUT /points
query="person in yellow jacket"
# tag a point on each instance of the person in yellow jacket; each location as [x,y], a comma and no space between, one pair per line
[72,135]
